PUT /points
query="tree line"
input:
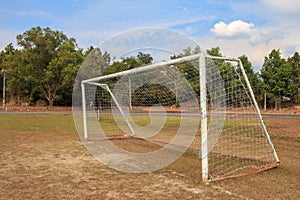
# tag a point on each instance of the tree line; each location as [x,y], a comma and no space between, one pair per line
[42,70]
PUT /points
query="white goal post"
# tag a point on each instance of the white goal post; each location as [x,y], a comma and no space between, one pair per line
[232,139]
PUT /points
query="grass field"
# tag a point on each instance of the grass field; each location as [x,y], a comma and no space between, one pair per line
[42,157]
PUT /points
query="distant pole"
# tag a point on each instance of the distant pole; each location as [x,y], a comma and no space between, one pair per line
[130,94]
[129,90]
[98,114]
[4,73]
[265,100]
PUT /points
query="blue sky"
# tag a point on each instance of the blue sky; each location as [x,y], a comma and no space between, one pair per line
[251,27]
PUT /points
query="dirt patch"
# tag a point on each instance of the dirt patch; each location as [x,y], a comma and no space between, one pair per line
[284,127]
[46,160]
[41,157]
[288,110]
[283,181]
[9,108]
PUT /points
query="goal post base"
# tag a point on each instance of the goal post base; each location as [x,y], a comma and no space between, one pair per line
[255,170]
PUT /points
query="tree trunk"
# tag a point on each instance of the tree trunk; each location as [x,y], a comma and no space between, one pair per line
[50,99]
[50,96]
[50,102]
[277,103]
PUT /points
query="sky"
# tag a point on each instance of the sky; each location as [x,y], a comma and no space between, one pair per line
[238,27]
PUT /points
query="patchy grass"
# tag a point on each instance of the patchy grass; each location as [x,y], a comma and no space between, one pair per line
[41,156]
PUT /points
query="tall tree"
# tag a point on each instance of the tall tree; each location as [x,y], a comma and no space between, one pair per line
[295,78]
[276,74]
[61,72]
[254,79]
[129,63]
[189,69]
[228,74]
[95,63]
[51,57]
[144,58]
[19,87]
[215,51]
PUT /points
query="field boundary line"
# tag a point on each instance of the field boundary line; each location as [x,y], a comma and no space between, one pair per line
[230,193]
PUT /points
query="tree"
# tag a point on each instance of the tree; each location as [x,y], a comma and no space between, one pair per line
[276,74]
[228,74]
[61,72]
[215,51]
[144,59]
[254,79]
[152,94]
[129,63]
[51,58]
[19,87]
[187,52]
[294,61]
[189,69]
[95,63]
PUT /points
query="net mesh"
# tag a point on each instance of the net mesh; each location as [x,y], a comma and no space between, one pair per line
[243,145]
[158,104]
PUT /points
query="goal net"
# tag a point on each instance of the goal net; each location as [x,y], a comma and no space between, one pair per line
[199,103]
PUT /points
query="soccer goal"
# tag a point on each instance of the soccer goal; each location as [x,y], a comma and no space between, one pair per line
[198,102]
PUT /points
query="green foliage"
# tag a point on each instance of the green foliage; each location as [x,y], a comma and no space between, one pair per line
[276,74]
[153,94]
[189,69]
[129,63]
[115,67]
[43,68]
[144,59]
[294,61]
[19,79]
[95,63]
[254,79]
[215,51]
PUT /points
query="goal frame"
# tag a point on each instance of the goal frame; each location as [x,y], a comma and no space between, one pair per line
[202,99]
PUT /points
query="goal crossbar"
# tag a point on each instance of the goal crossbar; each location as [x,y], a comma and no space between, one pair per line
[155,65]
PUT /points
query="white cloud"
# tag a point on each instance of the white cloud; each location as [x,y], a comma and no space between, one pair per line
[240,29]
[279,31]
[264,35]
[235,28]
[238,47]
[286,6]
[257,45]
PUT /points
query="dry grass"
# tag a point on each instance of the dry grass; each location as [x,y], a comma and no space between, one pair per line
[41,157]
